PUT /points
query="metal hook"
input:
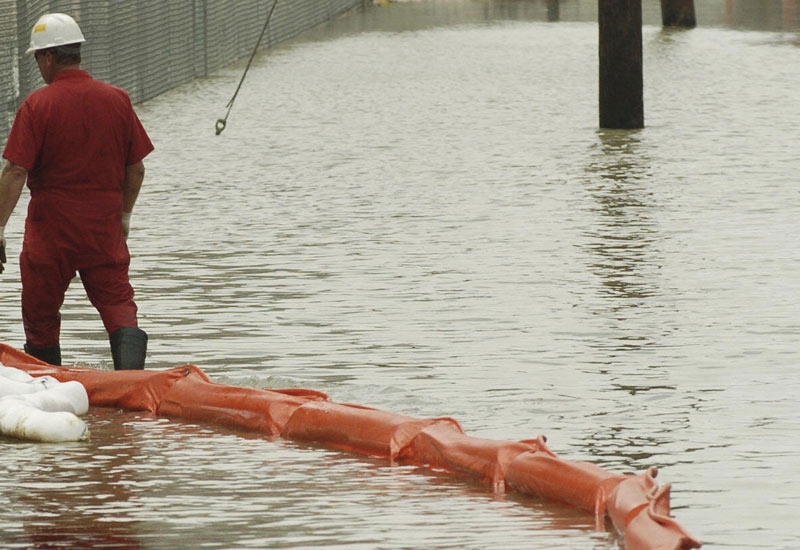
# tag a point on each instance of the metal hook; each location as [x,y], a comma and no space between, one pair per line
[220,125]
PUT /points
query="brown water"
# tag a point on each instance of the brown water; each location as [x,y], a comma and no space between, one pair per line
[412,208]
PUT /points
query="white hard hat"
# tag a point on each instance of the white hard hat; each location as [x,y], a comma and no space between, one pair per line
[54,29]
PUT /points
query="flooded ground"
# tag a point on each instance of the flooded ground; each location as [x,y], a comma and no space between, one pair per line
[412,208]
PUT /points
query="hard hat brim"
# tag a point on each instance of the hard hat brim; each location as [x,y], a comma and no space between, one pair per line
[48,46]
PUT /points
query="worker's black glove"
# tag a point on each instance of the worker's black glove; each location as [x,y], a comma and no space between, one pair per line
[2,255]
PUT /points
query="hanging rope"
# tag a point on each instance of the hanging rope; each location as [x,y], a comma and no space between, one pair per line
[221,122]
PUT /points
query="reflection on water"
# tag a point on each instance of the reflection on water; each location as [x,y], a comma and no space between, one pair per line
[624,235]
[151,484]
[424,218]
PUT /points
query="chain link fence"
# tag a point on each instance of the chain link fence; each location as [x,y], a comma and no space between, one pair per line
[150,46]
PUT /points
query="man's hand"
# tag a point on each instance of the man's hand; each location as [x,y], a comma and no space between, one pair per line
[12,180]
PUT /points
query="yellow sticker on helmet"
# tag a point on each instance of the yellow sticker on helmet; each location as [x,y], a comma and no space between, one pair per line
[40,28]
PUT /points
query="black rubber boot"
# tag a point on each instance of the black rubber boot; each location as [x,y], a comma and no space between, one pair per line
[128,348]
[48,355]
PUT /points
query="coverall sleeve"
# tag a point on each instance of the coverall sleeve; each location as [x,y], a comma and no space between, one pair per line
[139,144]
[24,141]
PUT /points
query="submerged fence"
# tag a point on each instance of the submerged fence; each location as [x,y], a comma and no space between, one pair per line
[149,46]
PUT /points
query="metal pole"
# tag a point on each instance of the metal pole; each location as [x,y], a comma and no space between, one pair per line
[729,19]
[621,80]
[789,13]
[678,13]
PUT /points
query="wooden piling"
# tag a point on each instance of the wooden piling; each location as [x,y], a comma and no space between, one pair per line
[553,10]
[678,13]
[621,81]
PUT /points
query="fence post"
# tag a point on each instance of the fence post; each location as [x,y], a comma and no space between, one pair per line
[621,81]
[678,13]
[205,38]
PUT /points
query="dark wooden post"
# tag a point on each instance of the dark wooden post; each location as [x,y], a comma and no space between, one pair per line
[678,13]
[621,83]
[553,10]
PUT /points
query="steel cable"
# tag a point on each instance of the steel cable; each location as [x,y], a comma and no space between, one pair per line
[222,122]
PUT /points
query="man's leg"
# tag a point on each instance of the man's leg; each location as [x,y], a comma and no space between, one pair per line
[111,293]
[44,283]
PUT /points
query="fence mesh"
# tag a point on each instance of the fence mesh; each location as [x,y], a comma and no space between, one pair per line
[149,46]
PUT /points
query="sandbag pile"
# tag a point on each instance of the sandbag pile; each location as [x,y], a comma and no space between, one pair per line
[42,408]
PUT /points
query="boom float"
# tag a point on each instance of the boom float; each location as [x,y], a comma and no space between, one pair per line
[636,505]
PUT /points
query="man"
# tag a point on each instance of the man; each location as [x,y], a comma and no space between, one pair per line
[80,145]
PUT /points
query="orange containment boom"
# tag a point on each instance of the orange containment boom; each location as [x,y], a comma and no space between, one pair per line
[635,504]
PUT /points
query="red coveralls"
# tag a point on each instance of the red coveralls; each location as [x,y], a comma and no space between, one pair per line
[75,137]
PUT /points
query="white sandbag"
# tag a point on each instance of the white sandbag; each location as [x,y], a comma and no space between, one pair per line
[9,386]
[64,397]
[22,420]
[14,374]
[41,408]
